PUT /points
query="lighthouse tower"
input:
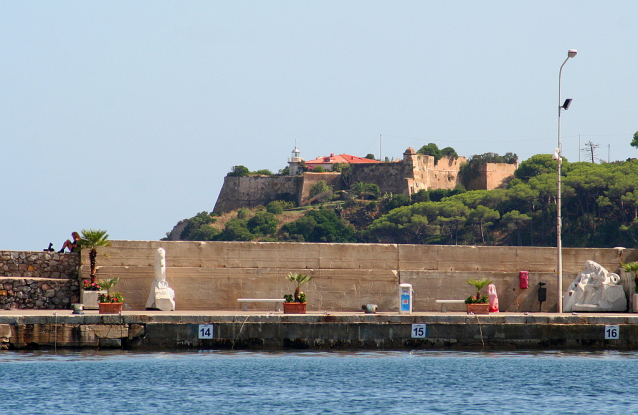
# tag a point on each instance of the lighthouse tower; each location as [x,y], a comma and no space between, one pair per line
[294,162]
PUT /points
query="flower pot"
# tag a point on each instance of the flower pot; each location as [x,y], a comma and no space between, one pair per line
[294,308]
[90,299]
[110,308]
[478,308]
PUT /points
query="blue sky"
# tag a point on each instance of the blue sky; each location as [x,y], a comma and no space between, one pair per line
[126,116]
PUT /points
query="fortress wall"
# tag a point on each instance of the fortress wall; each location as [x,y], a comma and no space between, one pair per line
[496,173]
[390,176]
[445,174]
[212,275]
[309,179]
[491,176]
[415,172]
[251,191]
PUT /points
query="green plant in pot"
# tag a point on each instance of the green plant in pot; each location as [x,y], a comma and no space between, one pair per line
[92,239]
[478,304]
[110,303]
[296,303]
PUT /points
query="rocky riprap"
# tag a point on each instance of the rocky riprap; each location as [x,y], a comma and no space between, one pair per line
[38,280]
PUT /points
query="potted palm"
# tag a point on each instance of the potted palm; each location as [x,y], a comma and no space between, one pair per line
[478,304]
[92,239]
[91,290]
[296,303]
[110,303]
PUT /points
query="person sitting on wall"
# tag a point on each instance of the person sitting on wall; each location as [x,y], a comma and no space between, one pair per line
[72,245]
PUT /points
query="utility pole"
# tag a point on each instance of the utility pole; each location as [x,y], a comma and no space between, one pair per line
[590,148]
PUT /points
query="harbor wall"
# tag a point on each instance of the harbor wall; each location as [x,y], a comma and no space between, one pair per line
[213,275]
[320,332]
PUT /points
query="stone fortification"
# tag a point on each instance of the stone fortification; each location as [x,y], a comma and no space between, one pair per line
[252,191]
[38,280]
[491,176]
[213,275]
[309,179]
[415,172]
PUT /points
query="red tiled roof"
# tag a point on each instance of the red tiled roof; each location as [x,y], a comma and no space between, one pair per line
[339,158]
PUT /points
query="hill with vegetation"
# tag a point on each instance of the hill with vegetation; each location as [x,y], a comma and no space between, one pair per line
[599,209]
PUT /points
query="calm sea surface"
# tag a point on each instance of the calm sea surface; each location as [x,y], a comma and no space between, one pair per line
[318,383]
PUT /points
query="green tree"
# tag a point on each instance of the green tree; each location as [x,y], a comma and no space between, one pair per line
[318,169]
[535,166]
[364,190]
[263,223]
[369,156]
[320,190]
[263,172]
[320,225]
[236,230]
[449,152]
[92,239]
[277,207]
[284,172]
[204,233]
[340,167]
[483,217]
[239,171]
[431,150]
[634,142]
[515,221]
[194,224]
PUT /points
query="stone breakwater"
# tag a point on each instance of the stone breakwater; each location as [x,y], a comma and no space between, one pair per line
[346,331]
[38,280]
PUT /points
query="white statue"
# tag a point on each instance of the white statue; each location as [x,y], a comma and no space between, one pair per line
[493,298]
[162,297]
[595,289]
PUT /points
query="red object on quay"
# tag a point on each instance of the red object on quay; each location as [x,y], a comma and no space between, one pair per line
[523,278]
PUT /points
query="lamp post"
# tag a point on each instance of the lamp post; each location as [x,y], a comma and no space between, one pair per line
[558,157]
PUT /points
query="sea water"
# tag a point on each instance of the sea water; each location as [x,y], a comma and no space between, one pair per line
[418,382]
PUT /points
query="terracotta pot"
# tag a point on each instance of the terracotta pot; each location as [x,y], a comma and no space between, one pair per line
[110,308]
[478,308]
[294,308]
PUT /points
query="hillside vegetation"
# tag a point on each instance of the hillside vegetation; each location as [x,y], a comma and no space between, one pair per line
[600,209]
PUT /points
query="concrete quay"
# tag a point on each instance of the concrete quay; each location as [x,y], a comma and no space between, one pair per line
[259,330]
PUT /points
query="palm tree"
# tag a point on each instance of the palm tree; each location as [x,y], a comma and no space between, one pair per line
[479,284]
[91,239]
[299,279]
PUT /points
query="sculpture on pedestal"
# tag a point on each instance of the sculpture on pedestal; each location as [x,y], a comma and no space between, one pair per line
[492,298]
[595,289]
[162,297]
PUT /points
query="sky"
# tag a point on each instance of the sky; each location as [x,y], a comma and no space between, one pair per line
[127,115]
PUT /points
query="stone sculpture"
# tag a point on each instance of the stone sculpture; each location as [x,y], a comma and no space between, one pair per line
[162,297]
[492,298]
[595,289]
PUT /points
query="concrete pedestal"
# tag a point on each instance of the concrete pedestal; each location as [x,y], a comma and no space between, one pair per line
[91,299]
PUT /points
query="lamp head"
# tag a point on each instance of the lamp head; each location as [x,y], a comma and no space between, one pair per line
[567,103]
[556,154]
[571,53]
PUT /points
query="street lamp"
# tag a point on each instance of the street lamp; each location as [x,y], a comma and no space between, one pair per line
[558,157]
